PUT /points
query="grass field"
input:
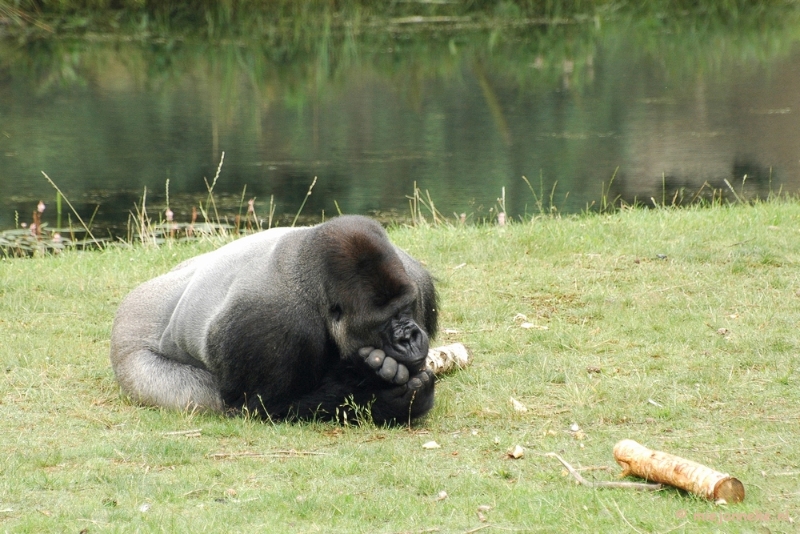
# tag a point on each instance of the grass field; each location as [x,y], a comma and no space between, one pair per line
[675,328]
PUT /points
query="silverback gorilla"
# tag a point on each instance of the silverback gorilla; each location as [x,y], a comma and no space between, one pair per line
[290,323]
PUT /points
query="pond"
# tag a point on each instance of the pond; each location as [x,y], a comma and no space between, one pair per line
[524,118]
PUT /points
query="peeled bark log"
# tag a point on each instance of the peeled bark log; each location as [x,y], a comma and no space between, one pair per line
[665,468]
[444,359]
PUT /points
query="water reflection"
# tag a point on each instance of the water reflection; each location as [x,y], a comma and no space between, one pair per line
[462,114]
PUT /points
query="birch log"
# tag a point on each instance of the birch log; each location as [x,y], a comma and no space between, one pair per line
[447,358]
[665,468]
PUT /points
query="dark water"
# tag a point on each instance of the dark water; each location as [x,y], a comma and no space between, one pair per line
[590,112]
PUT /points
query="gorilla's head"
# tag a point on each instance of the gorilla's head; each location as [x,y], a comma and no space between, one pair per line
[370,299]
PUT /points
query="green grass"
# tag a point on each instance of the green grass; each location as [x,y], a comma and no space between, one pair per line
[76,456]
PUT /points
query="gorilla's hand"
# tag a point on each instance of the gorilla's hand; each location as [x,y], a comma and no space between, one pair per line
[406,402]
[384,366]
[403,354]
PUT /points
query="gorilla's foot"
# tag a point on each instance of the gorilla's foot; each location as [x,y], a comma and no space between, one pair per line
[385,366]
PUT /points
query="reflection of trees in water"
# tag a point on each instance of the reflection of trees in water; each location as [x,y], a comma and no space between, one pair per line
[462,112]
[745,180]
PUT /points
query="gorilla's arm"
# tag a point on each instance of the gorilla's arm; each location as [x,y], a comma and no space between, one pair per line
[306,377]
[343,389]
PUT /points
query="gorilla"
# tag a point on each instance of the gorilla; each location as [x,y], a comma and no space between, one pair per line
[323,322]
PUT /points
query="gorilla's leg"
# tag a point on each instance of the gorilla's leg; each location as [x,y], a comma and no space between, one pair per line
[151,379]
[146,373]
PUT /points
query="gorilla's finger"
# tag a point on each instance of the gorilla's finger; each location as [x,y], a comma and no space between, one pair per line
[375,359]
[420,380]
[414,383]
[365,351]
[402,375]
[388,369]
[395,393]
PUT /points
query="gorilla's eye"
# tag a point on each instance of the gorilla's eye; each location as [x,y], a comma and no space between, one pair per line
[336,312]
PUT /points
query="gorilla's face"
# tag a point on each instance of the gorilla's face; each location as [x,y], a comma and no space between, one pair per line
[403,340]
[391,329]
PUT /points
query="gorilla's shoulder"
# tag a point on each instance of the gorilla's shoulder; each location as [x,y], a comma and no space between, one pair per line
[351,223]
[259,243]
[333,231]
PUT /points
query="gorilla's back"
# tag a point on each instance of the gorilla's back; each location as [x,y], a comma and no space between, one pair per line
[210,284]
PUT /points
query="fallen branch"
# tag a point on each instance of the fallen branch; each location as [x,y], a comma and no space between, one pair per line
[665,468]
[625,485]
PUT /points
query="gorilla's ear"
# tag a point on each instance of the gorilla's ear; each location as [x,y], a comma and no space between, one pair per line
[336,312]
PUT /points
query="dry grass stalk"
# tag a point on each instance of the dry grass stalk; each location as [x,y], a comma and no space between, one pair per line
[89,232]
[302,205]
[210,188]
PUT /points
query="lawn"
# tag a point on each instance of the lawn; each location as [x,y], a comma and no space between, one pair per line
[677,328]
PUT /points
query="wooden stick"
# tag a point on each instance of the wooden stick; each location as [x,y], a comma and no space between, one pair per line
[583,481]
[665,468]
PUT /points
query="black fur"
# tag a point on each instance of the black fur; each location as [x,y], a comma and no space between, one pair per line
[319,322]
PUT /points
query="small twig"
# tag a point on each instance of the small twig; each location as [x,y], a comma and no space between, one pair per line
[738,449]
[277,454]
[593,468]
[742,242]
[183,432]
[625,485]
[624,518]
[476,529]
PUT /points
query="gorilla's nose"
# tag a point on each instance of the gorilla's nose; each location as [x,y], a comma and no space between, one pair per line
[415,336]
[408,333]
[404,334]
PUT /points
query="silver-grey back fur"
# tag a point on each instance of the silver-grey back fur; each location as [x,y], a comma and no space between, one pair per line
[158,350]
